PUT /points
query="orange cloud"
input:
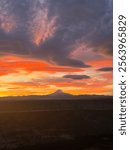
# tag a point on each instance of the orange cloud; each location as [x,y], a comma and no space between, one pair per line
[13,64]
[42,28]
[107,62]
[108,76]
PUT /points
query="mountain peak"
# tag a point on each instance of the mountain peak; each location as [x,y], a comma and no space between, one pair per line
[60,93]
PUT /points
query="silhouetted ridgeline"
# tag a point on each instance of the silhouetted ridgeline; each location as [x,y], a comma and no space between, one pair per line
[54,102]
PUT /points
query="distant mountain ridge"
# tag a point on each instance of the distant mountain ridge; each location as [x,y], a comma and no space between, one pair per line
[59,94]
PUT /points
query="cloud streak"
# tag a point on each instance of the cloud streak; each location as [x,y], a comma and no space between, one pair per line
[76,77]
[105,69]
[14,65]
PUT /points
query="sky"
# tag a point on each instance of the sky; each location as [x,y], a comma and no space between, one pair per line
[47,45]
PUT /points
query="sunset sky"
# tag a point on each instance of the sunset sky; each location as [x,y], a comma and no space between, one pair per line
[46,45]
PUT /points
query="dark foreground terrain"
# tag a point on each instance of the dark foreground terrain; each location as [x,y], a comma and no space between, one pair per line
[55,124]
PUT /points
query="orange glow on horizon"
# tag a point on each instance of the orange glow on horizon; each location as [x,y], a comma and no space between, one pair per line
[21,76]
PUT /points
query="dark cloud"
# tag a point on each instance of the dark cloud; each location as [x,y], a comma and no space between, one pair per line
[88,21]
[76,77]
[105,69]
[52,29]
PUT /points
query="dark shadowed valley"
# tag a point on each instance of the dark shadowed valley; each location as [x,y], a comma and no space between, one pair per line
[59,121]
